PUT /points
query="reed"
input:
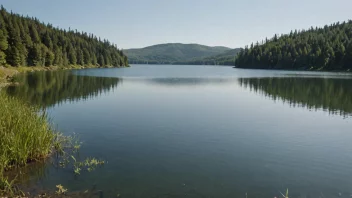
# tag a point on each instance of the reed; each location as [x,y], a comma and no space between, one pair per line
[25,136]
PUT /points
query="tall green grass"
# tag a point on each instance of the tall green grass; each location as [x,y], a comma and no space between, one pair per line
[25,135]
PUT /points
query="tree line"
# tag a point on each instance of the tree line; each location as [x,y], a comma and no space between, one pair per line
[25,41]
[326,48]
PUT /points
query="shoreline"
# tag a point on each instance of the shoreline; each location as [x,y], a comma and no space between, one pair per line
[7,73]
[40,146]
[298,69]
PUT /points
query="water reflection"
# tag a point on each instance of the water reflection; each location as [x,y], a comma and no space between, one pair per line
[199,136]
[54,87]
[173,82]
[332,95]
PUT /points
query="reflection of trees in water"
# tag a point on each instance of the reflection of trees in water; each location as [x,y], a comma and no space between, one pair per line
[333,95]
[52,87]
[174,82]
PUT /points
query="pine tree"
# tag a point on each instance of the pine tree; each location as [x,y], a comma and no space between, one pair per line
[94,60]
[101,61]
[80,57]
[87,57]
[35,55]
[3,48]
[49,58]
[34,34]
[72,57]
[317,48]
[58,60]
[34,43]
[348,58]
[13,56]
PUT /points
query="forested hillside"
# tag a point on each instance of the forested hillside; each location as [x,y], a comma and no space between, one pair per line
[170,53]
[327,48]
[26,41]
[226,58]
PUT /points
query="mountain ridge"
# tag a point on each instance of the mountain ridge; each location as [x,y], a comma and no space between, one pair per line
[170,53]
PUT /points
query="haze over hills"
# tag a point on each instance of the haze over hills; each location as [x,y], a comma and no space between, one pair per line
[177,53]
[226,58]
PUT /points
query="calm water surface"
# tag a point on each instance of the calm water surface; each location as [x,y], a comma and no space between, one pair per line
[201,131]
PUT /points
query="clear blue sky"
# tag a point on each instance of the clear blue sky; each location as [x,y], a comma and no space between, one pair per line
[139,23]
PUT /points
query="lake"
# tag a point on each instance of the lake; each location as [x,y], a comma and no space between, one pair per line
[199,131]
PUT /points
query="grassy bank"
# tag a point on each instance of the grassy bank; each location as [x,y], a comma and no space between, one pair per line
[25,136]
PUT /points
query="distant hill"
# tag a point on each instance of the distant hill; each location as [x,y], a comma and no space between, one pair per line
[172,52]
[226,58]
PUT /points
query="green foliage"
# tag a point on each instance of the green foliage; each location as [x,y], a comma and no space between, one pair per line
[8,187]
[226,58]
[60,190]
[35,55]
[67,155]
[89,164]
[25,135]
[2,58]
[49,58]
[13,56]
[327,48]
[34,43]
[172,52]
[3,41]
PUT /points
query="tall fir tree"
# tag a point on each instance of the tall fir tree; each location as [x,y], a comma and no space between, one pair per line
[3,48]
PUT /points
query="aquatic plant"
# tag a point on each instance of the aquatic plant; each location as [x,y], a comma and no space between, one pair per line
[25,136]
[60,190]
[286,195]
[88,164]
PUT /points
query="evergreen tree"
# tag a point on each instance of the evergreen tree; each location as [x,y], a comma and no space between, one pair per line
[49,58]
[327,48]
[87,57]
[72,57]
[34,43]
[35,55]
[3,48]
[80,57]
[13,56]
[101,60]
[58,60]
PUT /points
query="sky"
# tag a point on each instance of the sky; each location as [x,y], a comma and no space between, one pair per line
[141,23]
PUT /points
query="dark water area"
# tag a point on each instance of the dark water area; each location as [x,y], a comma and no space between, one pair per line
[199,131]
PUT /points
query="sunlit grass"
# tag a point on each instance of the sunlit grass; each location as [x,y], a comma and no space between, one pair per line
[25,136]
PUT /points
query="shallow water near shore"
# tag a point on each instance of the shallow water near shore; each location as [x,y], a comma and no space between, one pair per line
[199,131]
